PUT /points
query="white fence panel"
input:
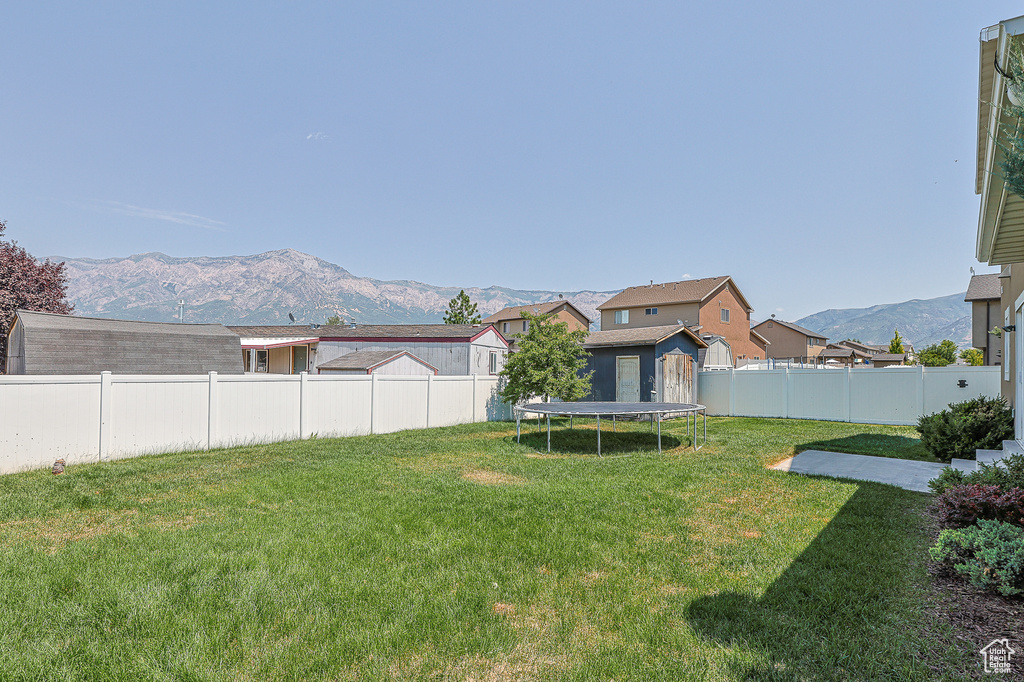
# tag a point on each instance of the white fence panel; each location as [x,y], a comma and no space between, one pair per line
[261,411]
[399,403]
[158,415]
[338,408]
[942,385]
[817,394]
[759,394]
[451,401]
[43,422]
[890,395]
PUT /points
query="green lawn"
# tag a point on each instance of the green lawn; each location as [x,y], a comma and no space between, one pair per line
[459,554]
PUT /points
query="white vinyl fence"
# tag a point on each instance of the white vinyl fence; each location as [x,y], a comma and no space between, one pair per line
[889,395]
[98,418]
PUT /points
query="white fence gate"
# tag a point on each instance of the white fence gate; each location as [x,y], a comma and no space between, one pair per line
[889,395]
[90,418]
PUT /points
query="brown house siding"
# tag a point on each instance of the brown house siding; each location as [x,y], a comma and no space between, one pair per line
[667,314]
[737,330]
[788,343]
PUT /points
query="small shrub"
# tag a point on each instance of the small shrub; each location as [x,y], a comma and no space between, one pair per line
[990,555]
[1008,473]
[963,505]
[964,427]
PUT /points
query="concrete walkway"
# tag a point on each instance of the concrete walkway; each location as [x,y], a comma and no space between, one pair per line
[904,473]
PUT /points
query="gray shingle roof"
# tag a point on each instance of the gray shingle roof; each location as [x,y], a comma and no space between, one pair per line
[983,288]
[365,359]
[515,312]
[65,344]
[888,357]
[639,336]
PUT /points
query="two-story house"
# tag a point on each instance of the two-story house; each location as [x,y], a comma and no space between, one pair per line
[708,306]
[983,293]
[509,321]
[791,341]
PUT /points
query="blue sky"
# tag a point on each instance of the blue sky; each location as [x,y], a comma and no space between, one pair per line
[822,154]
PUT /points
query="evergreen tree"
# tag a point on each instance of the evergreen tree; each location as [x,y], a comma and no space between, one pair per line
[335,320]
[896,345]
[548,363]
[461,310]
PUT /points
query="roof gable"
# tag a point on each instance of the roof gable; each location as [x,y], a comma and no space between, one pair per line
[668,293]
[795,327]
[640,336]
[515,312]
[984,288]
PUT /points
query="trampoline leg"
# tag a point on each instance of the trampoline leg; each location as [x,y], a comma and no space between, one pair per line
[517,430]
[651,420]
[659,434]
[598,435]
[613,423]
[539,429]
[549,433]
[570,423]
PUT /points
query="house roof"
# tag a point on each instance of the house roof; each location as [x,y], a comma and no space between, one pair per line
[667,293]
[984,288]
[889,357]
[369,359]
[515,312]
[66,344]
[452,332]
[760,338]
[795,327]
[845,353]
[639,336]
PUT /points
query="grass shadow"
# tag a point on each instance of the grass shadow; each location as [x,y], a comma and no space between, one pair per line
[841,609]
[877,444]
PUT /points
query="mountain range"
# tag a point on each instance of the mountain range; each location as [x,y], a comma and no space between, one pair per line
[265,288]
[921,322]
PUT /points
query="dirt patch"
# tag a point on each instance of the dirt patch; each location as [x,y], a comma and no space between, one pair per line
[594,577]
[502,609]
[751,534]
[975,617]
[488,477]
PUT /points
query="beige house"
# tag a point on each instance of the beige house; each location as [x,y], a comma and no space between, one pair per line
[509,321]
[791,341]
[984,294]
[712,305]
[1000,234]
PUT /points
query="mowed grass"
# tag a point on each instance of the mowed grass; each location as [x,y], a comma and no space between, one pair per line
[459,554]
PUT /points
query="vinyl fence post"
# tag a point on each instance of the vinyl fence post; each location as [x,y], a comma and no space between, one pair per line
[430,385]
[304,407]
[785,405]
[211,414]
[732,392]
[474,398]
[373,403]
[920,390]
[106,411]
[849,396]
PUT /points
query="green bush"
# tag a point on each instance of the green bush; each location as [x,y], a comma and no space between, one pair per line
[964,427]
[1008,473]
[990,555]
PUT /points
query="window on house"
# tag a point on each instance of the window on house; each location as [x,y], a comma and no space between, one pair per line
[725,314]
[262,359]
[526,325]
[504,327]
[493,365]
[300,359]
[770,325]
[650,311]
[621,317]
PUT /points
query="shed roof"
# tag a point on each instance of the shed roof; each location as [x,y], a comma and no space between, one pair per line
[65,344]
[515,312]
[639,336]
[452,332]
[984,288]
[795,327]
[889,357]
[685,291]
[368,359]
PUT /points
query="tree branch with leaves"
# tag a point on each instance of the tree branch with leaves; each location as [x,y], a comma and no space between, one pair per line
[548,363]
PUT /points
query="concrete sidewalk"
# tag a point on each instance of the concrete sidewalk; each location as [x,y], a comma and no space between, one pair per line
[905,473]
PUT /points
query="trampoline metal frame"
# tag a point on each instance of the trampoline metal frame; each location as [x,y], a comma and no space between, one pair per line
[653,411]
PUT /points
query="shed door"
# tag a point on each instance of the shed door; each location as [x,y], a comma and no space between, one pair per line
[627,379]
[677,378]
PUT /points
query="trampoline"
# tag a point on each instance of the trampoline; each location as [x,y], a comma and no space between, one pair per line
[654,412]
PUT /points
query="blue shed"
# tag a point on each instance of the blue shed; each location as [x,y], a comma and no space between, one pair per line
[626,361]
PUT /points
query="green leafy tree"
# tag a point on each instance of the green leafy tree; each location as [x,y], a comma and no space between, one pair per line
[896,345]
[548,362]
[938,354]
[972,356]
[334,320]
[461,310]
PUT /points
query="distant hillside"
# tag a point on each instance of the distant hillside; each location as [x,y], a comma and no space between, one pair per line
[264,288]
[921,322]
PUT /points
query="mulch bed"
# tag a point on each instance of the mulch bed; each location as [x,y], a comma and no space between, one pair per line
[975,617]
